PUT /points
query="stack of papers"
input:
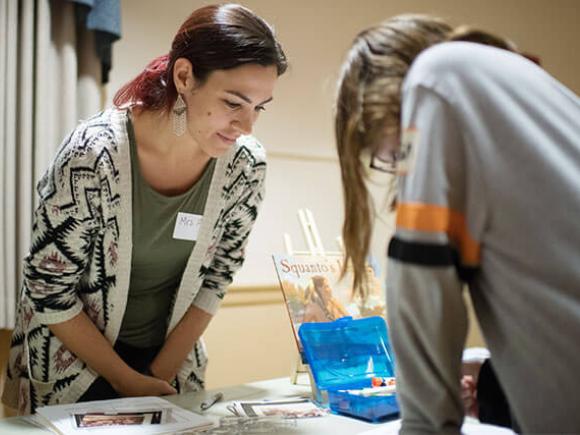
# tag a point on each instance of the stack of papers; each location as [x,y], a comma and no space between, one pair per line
[131,415]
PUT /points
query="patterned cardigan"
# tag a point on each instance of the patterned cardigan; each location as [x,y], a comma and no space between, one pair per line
[80,257]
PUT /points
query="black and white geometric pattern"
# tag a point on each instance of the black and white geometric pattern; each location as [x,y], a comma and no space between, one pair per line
[73,263]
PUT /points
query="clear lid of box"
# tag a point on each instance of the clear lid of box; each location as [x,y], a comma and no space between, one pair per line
[347,353]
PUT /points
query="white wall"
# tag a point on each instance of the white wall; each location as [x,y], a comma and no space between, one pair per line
[315,35]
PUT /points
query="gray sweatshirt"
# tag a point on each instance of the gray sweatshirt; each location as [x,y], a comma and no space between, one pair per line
[491,199]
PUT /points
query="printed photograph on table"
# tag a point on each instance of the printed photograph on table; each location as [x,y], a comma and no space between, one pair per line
[127,415]
[313,291]
[291,408]
[100,419]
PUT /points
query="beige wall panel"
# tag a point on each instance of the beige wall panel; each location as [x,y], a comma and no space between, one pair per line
[316,35]
[249,342]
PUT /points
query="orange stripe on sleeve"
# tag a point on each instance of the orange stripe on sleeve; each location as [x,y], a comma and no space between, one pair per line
[438,219]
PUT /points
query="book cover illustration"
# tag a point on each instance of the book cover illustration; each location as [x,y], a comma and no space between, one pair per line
[313,291]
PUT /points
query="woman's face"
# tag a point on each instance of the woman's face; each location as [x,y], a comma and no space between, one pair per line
[227,105]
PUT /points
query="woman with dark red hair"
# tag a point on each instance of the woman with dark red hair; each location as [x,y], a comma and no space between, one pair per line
[143,219]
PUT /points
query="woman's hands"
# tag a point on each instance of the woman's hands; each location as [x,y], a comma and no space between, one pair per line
[83,338]
[473,359]
[469,396]
[179,343]
[142,385]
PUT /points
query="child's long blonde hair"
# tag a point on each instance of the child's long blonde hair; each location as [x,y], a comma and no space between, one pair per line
[368,108]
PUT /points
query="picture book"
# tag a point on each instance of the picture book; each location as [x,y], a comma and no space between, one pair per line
[314,292]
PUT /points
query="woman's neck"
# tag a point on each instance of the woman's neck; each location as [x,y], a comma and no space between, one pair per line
[170,164]
[151,130]
[154,135]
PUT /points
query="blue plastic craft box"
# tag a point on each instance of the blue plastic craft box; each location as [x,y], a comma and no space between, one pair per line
[345,355]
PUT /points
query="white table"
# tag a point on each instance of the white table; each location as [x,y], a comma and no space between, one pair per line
[270,389]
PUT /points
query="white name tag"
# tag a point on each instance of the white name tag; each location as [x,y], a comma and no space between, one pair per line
[187,226]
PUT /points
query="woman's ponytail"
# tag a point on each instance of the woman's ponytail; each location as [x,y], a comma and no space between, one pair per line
[149,88]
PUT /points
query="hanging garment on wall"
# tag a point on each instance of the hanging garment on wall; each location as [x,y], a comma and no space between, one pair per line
[103,17]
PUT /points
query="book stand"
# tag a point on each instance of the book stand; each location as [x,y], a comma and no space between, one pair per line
[315,247]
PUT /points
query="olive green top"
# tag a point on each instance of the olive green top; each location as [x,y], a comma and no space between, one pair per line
[158,260]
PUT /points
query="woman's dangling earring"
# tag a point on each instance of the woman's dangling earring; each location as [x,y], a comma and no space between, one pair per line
[179,116]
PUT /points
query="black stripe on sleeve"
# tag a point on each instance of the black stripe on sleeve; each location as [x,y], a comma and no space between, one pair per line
[424,254]
[429,254]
